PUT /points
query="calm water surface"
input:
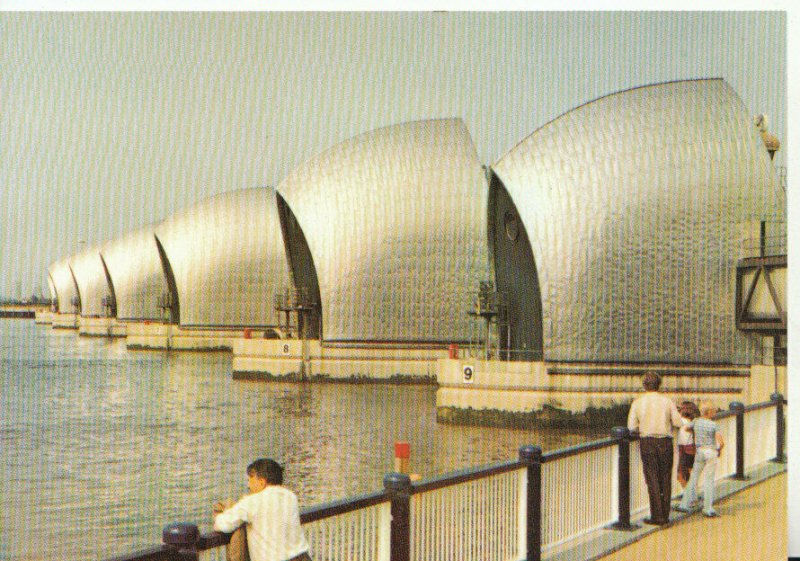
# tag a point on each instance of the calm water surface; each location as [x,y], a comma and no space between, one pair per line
[101,446]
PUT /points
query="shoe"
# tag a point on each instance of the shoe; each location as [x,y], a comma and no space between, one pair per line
[655,522]
[712,514]
[681,509]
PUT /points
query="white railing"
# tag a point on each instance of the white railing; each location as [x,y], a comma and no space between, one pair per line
[576,495]
[505,512]
[482,520]
[726,465]
[760,429]
[360,535]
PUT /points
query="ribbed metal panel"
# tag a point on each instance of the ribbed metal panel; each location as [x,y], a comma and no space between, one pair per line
[136,274]
[228,259]
[91,280]
[636,206]
[64,285]
[395,220]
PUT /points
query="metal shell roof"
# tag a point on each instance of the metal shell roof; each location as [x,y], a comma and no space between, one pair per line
[228,258]
[91,280]
[637,205]
[136,275]
[64,285]
[395,220]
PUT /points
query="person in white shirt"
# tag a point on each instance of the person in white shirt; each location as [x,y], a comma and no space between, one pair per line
[653,416]
[271,514]
[685,441]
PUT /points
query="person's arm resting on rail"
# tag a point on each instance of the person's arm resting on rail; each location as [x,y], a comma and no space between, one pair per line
[227,521]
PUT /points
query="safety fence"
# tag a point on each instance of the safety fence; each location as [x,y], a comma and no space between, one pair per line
[516,510]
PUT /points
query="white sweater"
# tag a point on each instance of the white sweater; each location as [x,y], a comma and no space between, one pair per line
[273,524]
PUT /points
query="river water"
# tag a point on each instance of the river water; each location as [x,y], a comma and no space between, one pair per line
[100,447]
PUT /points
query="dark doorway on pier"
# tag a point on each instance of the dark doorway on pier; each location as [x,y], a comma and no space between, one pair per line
[76,300]
[515,277]
[109,301]
[303,272]
[168,302]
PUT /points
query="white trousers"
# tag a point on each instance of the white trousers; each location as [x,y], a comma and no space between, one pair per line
[705,466]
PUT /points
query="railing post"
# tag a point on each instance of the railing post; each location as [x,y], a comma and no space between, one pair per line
[182,539]
[780,433]
[738,408]
[622,436]
[531,456]
[399,488]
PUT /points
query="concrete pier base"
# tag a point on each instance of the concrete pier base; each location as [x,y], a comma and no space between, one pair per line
[43,317]
[101,327]
[65,321]
[298,359]
[159,336]
[501,393]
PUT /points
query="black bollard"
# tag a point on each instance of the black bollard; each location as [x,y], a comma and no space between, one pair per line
[399,487]
[738,408]
[182,537]
[780,433]
[623,436]
[531,456]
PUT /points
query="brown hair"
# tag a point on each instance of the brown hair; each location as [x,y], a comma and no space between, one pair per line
[267,469]
[689,410]
[651,381]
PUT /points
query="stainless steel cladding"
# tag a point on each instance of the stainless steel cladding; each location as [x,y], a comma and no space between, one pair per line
[91,279]
[65,286]
[137,277]
[228,259]
[395,221]
[636,206]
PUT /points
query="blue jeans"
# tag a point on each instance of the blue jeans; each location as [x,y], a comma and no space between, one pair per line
[705,463]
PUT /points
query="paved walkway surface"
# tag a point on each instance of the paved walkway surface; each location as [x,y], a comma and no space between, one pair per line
[751,526]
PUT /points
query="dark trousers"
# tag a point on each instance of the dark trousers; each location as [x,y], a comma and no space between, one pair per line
[657,467]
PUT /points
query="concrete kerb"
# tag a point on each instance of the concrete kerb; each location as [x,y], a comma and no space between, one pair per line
[604,542]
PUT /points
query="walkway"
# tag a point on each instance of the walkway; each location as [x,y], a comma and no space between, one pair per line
[752,526]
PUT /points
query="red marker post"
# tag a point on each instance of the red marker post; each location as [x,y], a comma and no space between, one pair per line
[402,457]
[402,460]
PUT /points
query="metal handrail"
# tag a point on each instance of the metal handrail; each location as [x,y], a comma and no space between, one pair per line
[577,450]
[343,506]
[158,553]
[464,476]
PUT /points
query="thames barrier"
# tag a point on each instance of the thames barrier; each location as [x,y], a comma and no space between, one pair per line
[536,290]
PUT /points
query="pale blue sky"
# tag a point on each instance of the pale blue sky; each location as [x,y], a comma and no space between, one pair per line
[112,121]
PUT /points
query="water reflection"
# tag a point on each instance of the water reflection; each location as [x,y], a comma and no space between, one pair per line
[101,446]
